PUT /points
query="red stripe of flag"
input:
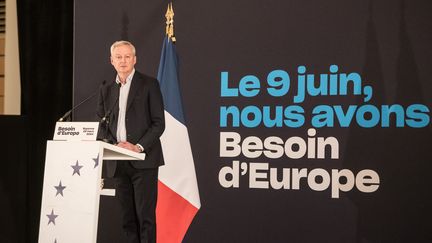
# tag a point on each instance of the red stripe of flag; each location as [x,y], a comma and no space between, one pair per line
[174,214]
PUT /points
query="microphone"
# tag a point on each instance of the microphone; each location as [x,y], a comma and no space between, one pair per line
[67,114]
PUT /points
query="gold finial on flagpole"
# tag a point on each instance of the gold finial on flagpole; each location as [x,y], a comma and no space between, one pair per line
[169,30]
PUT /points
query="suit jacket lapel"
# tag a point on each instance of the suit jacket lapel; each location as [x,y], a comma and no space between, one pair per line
[135,86]
[114,97]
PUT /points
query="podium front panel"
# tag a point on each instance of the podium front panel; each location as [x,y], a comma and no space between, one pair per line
[70,200]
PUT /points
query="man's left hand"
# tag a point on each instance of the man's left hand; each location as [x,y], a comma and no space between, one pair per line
[129,146]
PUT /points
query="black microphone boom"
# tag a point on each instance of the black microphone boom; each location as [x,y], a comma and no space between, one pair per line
[67,114]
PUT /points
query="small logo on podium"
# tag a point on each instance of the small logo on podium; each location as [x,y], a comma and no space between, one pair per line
[76,131]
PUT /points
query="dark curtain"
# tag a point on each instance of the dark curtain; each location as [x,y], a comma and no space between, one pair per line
[46,60]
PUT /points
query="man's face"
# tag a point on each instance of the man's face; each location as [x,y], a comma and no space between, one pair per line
[123,59]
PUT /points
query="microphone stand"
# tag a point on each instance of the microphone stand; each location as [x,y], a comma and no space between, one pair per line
[68,113]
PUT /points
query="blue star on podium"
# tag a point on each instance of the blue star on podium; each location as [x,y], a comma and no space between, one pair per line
[59,189]
[52,217]
[96,160]
[76,168]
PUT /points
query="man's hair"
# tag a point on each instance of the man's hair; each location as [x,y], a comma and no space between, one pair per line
[122,43]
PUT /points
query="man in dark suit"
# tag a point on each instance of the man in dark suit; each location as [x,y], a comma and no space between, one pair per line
[134,108]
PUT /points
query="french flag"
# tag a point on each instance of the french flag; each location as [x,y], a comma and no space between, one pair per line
[178,196]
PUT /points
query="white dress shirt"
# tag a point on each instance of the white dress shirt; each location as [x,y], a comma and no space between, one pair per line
[123,96]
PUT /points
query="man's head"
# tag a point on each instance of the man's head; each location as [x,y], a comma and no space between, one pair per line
[123,57]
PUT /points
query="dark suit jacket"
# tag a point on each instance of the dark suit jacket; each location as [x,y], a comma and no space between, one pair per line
[145,121]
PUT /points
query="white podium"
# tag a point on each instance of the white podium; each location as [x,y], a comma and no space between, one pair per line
[72,188]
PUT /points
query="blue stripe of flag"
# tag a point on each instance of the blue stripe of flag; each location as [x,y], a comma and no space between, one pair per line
[168,79]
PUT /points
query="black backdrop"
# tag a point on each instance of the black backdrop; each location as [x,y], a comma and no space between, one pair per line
[388,42]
